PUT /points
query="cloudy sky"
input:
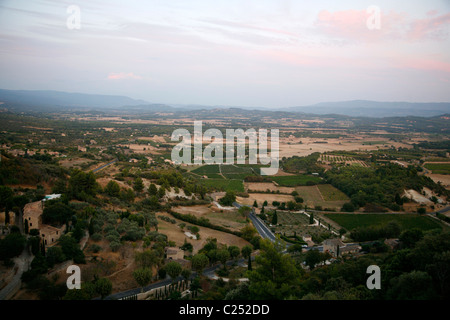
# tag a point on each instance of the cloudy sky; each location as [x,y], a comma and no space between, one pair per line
[229,52]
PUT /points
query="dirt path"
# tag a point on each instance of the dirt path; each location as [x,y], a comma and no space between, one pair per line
[220,171]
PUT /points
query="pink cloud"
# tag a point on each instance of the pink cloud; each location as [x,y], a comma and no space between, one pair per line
[434,27]
[123,75]
[424,64]
[351,25]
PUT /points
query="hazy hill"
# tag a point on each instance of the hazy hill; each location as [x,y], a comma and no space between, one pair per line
[40,98]
[365,108]
[53,100]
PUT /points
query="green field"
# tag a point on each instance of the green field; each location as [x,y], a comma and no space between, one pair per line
[207,170]
[438,168]
[330,193]
[236,171]
[406,221]
[293,181]
[370,143]
[223,184]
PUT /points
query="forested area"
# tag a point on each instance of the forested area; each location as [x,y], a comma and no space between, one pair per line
[383,185]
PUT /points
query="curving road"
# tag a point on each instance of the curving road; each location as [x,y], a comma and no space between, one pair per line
[260,226]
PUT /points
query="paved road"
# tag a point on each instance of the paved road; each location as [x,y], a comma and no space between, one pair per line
[104,166]
[22,262]
[260,226]
[444,210]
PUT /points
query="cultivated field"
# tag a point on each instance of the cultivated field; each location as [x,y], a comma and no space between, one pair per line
[438,168]
[266,186]
[292,147]
[330,193]
[313,197]
[232,220]
[261,197]
[295,180]
[406,221]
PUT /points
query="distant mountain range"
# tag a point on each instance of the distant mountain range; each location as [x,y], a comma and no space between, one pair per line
[366,108]
[35,100]
[40,98]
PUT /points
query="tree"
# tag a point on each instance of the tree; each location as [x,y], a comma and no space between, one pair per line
[245,211]
[348,207]
[187,246]
[87,292]
[71,249]
[248,232]
[6,195]
[143,276]
[173,269]
[11,246]
[313,257]
[246,251]
[82,185]
[103,287]
[228,199]
[274,218]
[152,189]
[276,276]
[147,259]
[409,237]
[223,256]
[291,205]
[138,185]
[186,273]
[112,189]
[311,218]
[298,199]
[234,251]
[416,285]
[421,210]
[255,204]
[57,213]
[199,262]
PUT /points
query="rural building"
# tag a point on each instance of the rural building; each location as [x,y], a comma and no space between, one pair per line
[308,239]
[392,243]
[176,255]
[32,214]
[50,234]
[336,247]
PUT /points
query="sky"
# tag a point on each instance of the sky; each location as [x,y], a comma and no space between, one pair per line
[254,53]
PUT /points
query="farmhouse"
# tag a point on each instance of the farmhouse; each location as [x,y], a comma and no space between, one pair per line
[336,247]
[177,255]
[32,215]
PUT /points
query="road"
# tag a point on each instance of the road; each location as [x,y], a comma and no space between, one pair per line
[104,166]
[22,262]
[444,210]
[260,226]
